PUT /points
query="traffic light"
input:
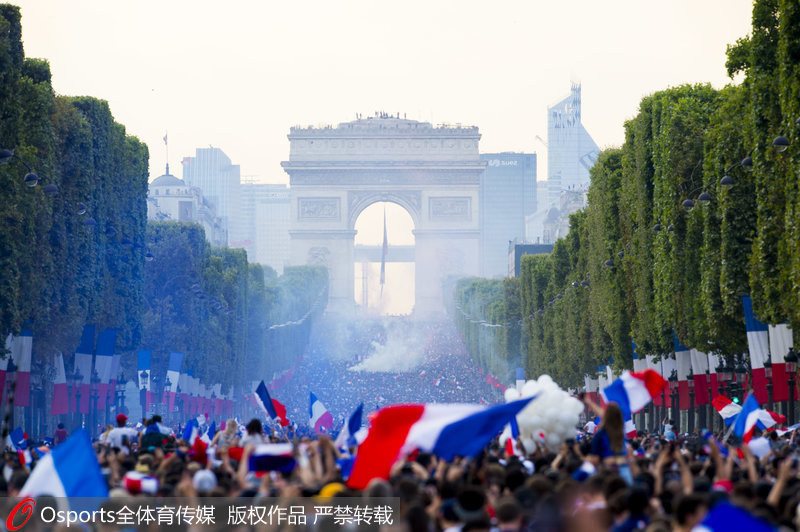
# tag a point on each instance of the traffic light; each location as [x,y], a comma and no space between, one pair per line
[736,400]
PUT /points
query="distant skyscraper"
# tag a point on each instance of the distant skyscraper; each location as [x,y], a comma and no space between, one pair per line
[507,196]
[211,171]
[264,217]
[571,152]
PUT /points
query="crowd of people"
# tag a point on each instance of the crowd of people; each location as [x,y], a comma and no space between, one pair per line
[598,481]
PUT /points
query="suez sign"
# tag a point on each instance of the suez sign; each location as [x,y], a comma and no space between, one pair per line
[502,162]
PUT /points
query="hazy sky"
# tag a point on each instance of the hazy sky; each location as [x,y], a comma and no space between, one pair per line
[237,75]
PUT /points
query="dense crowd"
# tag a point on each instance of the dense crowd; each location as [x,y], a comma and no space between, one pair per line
[598,481]
[439,369]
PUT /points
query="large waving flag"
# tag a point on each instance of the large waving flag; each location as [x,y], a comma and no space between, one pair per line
[22,351]
[757,343]
[634,390]
[320,419]
[83,364]
[103,363]
[347,436]
[274,408]
[726,408]
[445,430]
[70,470]
[747,419]
[60,404]
[729,410]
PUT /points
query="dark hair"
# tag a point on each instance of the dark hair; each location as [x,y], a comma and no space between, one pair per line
[688,505]
[254,427]
[612,422]
[60,426]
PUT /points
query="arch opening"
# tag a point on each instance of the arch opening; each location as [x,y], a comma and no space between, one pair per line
[395,296]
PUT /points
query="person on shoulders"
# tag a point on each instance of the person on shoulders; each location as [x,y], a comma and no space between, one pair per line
[121,436]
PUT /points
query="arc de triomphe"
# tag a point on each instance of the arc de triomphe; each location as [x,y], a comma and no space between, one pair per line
[432,172]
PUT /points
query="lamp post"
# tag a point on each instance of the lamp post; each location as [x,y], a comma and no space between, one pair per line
[721,376]
[690,382]
[178,401]
[791,368]
[155,381]
[673,394]
[768,373]
[165,396]
[95,394]
[741,375]
[77,379]
[144,377]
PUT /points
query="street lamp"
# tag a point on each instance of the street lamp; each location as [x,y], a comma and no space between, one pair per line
[144,377]
[95,394]
[791,369]
[77,380]
[673,393]
[768,373]
[165,395]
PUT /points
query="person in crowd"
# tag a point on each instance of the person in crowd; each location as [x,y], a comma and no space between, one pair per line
[60,435]
[228,437]
[121,436]
[255,433]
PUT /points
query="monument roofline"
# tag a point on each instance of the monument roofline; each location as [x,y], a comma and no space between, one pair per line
[393,127]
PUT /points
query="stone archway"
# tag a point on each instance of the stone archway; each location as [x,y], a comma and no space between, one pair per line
[432,172]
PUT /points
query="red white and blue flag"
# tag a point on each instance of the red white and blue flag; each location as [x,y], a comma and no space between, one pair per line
[758,345]
[60,403]
[83,364]
[103,363]
[445,430]
[632,391]
[730,412]
[320,419]
[21,350]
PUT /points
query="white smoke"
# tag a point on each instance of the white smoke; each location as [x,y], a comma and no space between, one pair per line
[402,352]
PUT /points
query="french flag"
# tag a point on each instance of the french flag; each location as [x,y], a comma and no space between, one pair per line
[272,407]
[60,404]
[632,391]
[780,340]
[71,469]
[757,343]
[143,374]
[83,364]
[511,433]
[730,410]
[747,420]
[174,375]
[103,362]
[191,431]
[22,348]
[445,430]
[320,419]
[347,436]
[726,408]
[699,369]
[272,457]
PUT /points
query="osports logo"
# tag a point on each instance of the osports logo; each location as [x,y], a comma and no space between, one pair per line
[26,505]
